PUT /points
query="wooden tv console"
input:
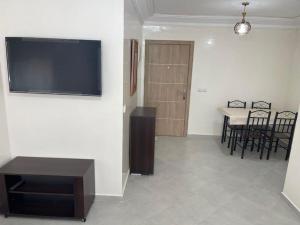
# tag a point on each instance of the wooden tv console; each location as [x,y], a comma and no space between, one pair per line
[53,187]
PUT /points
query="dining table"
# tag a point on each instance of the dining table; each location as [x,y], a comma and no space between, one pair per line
[239,116]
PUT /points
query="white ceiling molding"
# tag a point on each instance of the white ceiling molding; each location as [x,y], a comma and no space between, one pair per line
[257,8]
[164,19]
[144,8]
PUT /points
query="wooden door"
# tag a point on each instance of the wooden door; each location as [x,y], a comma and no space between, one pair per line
[168,69]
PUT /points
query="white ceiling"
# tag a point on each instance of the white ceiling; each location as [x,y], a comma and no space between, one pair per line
[274,13]
[257,8]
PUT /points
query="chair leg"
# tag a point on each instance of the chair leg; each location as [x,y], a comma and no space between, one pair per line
[259,144]
[223,131]
[233,141]
[243,152]
[261,154]
[276,145]
[230,137]
[252,145]
[232,144]
[270,147]
[288,152]
[236,140]
[263,148]
[244,147]
[241,137]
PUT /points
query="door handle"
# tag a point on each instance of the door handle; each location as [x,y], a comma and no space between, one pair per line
[183,94]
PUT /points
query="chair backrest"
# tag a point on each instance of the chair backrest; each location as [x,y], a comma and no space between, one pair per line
[236,104]
[261,105]
[285,122]
[258,120]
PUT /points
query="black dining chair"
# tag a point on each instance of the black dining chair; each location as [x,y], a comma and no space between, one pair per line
[261,105]
[255,130]
[282,132]
[226,124]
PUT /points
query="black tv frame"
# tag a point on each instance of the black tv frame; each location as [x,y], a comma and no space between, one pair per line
[54,40]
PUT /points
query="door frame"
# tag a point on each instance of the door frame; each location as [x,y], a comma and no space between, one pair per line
[190,71]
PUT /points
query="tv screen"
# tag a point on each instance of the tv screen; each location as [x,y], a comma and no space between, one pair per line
[54,66]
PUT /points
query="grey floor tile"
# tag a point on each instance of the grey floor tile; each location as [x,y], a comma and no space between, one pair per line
[226,217]
[196,182]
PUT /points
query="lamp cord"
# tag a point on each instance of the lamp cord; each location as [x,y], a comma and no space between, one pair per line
[244,12]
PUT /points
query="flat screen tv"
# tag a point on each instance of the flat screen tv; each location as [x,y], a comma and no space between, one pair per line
[54,66]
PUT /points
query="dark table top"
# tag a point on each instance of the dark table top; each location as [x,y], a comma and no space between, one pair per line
[144,112]
[47,166]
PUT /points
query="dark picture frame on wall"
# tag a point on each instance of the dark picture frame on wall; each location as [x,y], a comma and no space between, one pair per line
[134,65]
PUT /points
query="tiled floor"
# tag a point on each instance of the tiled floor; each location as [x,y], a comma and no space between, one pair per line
[196,182]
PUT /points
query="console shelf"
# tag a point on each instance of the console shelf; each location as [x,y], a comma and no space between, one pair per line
[34,205]
[47,187]
[34,188]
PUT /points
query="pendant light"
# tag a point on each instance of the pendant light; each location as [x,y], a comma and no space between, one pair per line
[243,27]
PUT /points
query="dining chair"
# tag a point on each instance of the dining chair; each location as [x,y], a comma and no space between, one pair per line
[257,125]
[261,105]
[226,124]
[282,132]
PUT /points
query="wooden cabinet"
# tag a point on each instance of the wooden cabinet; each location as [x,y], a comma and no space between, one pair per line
[47,187]
[142,140]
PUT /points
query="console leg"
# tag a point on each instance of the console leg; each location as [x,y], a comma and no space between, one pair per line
[83,220]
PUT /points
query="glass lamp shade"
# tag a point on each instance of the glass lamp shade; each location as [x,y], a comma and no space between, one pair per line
[242,28]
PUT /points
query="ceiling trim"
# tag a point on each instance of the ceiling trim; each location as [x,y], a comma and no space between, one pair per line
[164,19]
[144,8]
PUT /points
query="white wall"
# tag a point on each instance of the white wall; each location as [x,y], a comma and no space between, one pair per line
[132,30]
[294,90]
[292,183]
[253,67]
[70,126]
[4,144]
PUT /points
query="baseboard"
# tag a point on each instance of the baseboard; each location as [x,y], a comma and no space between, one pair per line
[291,203]
[125,182]
[108,195]
[4,159]
[126,175]
[200,134]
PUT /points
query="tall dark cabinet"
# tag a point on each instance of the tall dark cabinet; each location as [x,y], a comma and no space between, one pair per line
[142,140]
[53,187]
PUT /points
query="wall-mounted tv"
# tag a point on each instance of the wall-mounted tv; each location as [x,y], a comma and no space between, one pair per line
[54,66]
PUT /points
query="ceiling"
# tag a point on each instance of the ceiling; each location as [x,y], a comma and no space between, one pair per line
[257,8]
[274,13]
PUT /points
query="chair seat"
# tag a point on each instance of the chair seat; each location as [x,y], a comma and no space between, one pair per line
[252,134]
[284,142]
[279,135]
[282,135]
[236,127]
[261,127]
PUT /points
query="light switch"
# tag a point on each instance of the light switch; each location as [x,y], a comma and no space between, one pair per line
[202,90]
